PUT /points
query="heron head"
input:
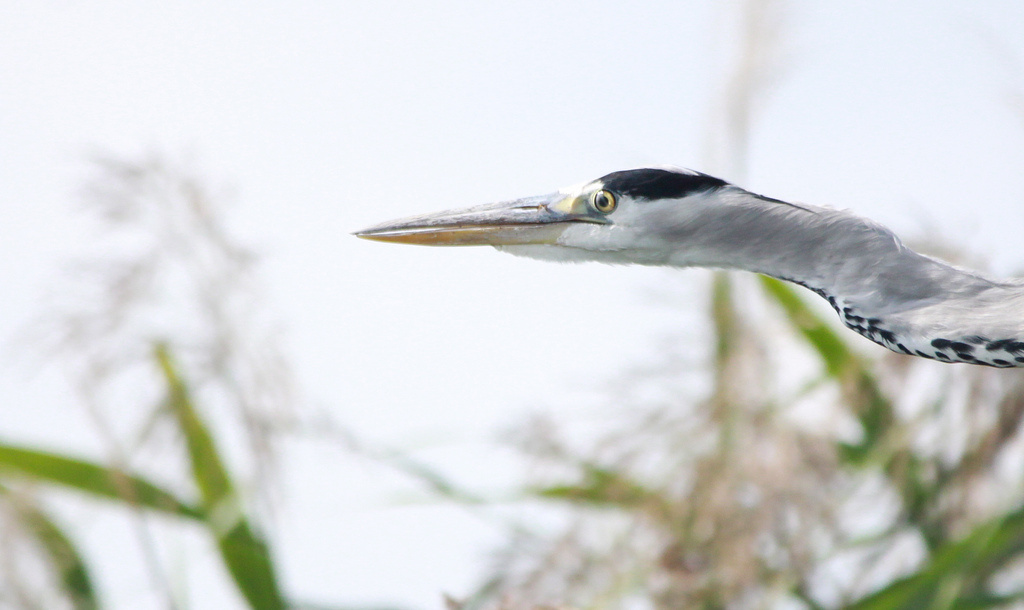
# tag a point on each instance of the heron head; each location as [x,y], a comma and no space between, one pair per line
[620,217]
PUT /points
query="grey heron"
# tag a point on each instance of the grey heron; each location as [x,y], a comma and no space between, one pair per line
[905,301]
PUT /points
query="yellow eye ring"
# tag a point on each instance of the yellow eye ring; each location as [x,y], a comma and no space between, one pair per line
[603,201]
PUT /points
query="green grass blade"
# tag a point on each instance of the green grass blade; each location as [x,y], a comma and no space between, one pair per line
[605,487]
[91,478]
[957,572]
[208,471]
[832,350]
[984,601]
[871,406]
[248,559]
[245,554]
[64,557]
[723,321]
[433,479]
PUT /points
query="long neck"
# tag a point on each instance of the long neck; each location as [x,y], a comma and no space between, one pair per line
[892,295]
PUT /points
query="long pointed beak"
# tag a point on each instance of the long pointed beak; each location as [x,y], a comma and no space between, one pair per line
[533,220]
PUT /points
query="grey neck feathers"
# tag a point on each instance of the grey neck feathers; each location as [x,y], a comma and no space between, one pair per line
[894,296]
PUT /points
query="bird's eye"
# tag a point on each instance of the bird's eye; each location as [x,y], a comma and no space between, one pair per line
[603,201]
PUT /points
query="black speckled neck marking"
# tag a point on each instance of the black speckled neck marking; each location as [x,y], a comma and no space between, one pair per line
[972,349]
[975,349]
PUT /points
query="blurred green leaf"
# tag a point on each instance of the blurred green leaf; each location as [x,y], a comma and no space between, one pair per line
[248,559]
[437,482]
[873,409]
[956,574]
[727,330]
[245,554]
[723,320]
[832,350]
[869,403]
[106,482]
[314,606]
[64,557]
[981,602]
[605,487]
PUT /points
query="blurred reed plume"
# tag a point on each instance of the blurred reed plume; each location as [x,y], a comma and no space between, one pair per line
[167,270]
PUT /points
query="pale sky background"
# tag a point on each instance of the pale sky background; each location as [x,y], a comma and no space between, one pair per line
[323,118]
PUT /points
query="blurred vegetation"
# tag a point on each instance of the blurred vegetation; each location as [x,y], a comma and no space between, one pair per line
[168,286]
[804,475]
[903,492]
